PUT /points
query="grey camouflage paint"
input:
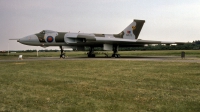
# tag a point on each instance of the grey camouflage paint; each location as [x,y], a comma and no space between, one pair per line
[91,37]
[128,38]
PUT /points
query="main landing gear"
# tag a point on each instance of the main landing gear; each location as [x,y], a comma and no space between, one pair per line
[62,54]
[91,52]
[115,50]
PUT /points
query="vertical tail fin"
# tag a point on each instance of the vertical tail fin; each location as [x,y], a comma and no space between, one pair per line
[133,30]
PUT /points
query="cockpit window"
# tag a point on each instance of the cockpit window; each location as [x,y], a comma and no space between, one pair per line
[42,32]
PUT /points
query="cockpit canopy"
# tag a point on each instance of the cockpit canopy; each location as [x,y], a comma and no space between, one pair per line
[47,31]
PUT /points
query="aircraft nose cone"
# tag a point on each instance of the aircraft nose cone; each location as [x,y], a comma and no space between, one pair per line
[29,40]
[24,39]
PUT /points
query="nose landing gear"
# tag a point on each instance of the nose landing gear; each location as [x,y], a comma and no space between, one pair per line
[62,54]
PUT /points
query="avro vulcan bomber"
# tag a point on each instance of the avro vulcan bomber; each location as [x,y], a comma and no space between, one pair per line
[126,38]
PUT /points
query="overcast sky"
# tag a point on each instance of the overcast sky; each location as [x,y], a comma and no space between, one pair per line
[170,20]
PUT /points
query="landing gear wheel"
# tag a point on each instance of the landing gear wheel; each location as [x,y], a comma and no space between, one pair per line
[115,50]
[116,55]
[91,55]
[91,52]
[62,56]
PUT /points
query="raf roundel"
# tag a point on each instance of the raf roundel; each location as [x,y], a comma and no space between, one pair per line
[49,39]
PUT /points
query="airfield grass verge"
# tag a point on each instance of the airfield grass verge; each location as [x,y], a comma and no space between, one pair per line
[99,85]
[189,53]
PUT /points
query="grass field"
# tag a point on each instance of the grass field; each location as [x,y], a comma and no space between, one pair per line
[99,85]
[193,53]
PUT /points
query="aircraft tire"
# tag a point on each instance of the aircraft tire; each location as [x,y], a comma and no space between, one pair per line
[62,56]
[116,55]
[91,55]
